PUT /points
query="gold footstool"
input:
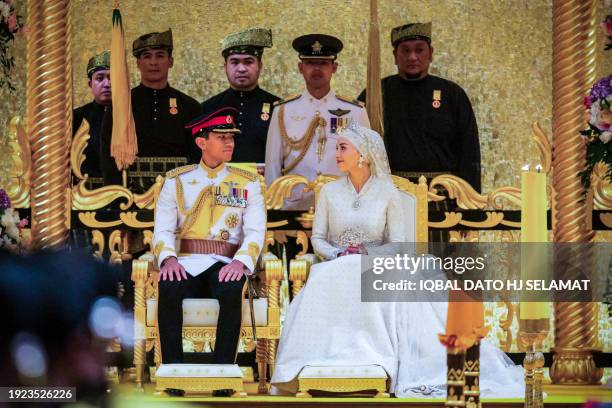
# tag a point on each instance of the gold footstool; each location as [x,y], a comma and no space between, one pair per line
[200,378]
[345,379]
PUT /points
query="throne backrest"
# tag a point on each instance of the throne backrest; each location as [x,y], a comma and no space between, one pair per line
[415,203]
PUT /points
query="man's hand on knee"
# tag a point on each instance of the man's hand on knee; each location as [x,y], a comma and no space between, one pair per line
[171,268]
[232,271]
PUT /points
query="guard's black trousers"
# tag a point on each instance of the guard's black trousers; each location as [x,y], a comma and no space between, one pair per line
[205,285]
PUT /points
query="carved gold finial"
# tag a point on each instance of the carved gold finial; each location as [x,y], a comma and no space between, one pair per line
[77,150]
[20,174]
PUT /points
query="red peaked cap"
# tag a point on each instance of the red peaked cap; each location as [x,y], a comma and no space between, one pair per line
[220,121]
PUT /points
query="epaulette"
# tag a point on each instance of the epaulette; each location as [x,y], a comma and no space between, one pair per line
[244,173]
[287,99]
[351,101]
[180,170]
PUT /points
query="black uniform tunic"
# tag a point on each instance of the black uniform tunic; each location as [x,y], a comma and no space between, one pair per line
[94,113]
[421,137]
[253,120]
[160,116]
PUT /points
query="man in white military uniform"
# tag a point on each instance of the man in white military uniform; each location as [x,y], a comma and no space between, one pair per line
[301,137]
[210,223]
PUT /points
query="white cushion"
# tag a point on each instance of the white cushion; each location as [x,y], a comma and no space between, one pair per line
[205,312]
[356,371]
[199,370]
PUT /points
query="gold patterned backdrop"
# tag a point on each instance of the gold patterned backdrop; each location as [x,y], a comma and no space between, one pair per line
[500,52]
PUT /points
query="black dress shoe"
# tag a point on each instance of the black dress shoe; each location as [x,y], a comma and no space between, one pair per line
[175,392]
[222,393]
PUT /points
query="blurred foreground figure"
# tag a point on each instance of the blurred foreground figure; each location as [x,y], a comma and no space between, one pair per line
[61,307]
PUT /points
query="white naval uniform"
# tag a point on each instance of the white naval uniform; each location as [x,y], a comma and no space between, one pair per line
[298,115]
[243,226]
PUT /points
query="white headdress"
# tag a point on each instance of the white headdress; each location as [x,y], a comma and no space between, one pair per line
[369,143]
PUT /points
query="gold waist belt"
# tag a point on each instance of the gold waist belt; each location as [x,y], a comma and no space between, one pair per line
[208,246]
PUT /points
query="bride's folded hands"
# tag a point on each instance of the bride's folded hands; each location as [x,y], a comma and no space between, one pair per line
[354,249]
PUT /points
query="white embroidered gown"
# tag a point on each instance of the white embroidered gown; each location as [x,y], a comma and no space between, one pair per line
[328,325]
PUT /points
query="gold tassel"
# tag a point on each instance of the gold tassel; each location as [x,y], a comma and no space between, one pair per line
[124,145]
[374,103]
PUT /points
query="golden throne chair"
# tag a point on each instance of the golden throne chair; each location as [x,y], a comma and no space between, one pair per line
[200,321]
[339,379]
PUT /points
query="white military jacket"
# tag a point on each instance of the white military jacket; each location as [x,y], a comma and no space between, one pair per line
[296,114]
[197,202]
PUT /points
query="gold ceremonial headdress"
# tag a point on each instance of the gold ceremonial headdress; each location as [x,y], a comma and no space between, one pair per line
[251,41]
[411,31]
[98,62]
[152,40]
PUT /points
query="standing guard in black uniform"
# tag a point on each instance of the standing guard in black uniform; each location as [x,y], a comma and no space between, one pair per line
[160,115]
[430,127]
[242,52]
[98,79]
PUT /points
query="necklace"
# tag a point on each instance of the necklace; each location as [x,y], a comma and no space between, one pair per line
[356,201]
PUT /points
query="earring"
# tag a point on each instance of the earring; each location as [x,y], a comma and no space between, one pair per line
[360,162]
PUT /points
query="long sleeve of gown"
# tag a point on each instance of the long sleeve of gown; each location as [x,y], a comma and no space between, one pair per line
[320,229]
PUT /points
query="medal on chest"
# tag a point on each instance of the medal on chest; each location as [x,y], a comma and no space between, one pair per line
[235,197]
[232,220]
[337,122]
[173,106]
[265,112]
[224,234]
[437,98]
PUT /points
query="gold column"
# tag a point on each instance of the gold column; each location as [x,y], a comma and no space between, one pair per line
[49,106]
[573,73]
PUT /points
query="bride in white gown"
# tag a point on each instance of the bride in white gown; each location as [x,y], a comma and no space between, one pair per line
[327,324]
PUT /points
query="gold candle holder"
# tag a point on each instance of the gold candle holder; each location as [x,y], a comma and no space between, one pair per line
[534,368]
[538,377]
[471,390]
[455,377]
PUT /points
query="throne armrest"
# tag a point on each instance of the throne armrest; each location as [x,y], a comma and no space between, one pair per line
[271,276]
[140,275]
[298,273]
